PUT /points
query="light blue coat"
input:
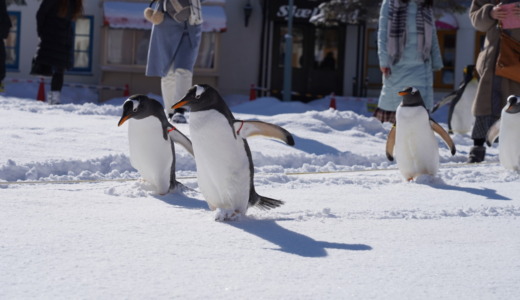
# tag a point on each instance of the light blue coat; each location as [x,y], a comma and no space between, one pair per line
[410,70]
[172,43]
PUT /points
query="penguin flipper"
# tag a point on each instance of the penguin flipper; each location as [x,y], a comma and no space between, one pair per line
[245,129]
[444,135]
[493,133]
[390,143]
[179,138]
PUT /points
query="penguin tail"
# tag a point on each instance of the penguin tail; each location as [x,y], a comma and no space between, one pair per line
[266,203]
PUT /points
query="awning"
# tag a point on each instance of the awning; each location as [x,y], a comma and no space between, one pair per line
[120,14]
[447,21]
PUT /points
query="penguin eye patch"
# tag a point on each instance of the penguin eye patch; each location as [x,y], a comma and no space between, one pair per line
[198,92]
[135,105]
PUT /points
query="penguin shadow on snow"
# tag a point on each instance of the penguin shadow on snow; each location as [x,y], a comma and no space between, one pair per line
[438,183]
[290,241]
[313,146]
[181,199]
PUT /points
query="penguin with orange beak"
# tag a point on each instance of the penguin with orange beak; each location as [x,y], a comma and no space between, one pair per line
[224,164]
[412,141]
[151,139]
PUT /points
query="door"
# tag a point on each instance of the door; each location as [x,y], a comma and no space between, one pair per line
[317,61]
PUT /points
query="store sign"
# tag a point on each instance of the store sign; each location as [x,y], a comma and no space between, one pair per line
[302,10]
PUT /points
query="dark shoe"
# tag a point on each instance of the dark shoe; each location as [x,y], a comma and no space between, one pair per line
[178,118]
[477,154]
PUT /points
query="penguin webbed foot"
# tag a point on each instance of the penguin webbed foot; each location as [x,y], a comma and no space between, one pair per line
[224,215]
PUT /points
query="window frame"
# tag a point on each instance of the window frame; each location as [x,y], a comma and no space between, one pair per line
[84,70]
[437,79]
[14,67]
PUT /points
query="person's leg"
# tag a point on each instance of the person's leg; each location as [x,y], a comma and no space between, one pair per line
[2,65]
[480,128]
[54,96]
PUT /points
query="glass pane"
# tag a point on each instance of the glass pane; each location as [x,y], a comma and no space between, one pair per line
[142,38]
[206,56]
[372,38]
[81,48]
[14,22]
[374,76]
[10,43]
[326,49]
[449,50]
[447,77]
[372,58]
[83,26]
[117,45]
[297,47]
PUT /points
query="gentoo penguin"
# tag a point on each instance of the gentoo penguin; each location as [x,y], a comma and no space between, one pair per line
[508,129]
[412,141]
[151,139]
[222,154]
[460,116]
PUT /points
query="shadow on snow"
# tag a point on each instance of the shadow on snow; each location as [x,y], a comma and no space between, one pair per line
[290,241]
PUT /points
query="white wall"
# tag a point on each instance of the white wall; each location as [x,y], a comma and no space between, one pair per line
[240,49]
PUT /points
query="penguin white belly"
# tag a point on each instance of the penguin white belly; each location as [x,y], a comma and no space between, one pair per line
[150,153]
[462,119]
[222,163]
[509,141]
[416,149]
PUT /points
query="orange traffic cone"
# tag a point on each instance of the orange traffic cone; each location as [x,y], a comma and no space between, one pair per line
[41,91]
[332,101]
[126,91]
[252,93]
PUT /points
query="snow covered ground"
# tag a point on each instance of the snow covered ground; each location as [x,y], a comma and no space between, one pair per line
[77,223]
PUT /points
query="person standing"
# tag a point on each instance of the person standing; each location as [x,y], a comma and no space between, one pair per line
[173,49]
[55,30]
[408,52]
[492,90]
[5,26]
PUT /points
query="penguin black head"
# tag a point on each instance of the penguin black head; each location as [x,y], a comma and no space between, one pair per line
[513,105]
[140,107]
[411,97]
[201,97]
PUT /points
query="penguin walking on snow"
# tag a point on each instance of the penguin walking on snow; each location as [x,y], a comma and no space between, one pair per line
[460,116]
[508,128]
[151,139]
[412,141]
[222,155]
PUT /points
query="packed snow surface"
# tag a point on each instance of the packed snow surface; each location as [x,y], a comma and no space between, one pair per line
[76,222]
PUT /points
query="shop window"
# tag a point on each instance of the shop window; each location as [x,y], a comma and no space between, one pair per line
[373,76]
[129,47]
[12,43]
[447,41]
[82,51]
[207,51]
[297,48]
[326,49]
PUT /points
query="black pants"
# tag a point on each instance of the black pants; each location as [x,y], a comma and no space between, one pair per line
[57,79]
[2,60]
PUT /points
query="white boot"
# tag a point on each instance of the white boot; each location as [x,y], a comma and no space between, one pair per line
[167,89]
[174,86]
[54,97]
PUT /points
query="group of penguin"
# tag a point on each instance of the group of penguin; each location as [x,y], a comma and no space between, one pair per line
[223,158]
[218,144]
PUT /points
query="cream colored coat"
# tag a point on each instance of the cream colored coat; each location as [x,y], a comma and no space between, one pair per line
[480,15]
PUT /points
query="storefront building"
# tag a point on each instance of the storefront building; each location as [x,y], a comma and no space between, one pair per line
[243,45]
